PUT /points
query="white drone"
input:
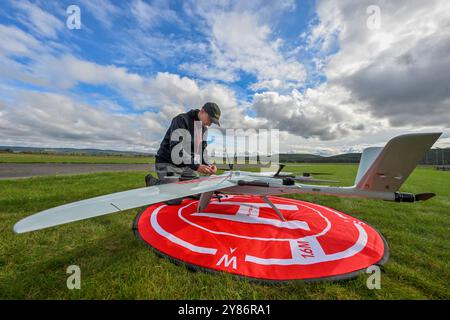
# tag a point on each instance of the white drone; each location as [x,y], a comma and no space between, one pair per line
[380,174]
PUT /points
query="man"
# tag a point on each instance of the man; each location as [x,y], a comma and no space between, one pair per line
[194,124]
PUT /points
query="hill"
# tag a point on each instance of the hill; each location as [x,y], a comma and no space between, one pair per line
[433,156]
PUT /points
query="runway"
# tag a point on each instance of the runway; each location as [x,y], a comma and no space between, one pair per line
[26,170]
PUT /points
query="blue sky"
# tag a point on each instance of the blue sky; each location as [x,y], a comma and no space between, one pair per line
[148,44]
[297,66]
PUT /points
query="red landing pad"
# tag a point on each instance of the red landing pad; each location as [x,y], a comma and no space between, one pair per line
[244,236]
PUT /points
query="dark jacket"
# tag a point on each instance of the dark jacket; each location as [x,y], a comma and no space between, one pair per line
[182,121]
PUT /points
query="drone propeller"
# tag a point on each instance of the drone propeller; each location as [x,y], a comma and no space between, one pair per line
[307,174]
[305,177]
[424,196]
[281,166]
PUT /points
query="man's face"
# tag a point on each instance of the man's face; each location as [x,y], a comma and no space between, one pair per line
[204,118]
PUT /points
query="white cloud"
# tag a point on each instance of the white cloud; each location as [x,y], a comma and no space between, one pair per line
[399,70]
[39,21]
[67,71]
[42,118]
[143,49]
[209,72]
[48,119]
[350,143]
[104,11]
[241,42]
[324,112]
[149,15]
[81,71]
[17,42]
[172,90]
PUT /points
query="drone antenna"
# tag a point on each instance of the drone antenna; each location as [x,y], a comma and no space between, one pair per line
[230,164]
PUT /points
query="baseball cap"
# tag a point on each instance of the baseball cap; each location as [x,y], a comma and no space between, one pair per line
[213,111]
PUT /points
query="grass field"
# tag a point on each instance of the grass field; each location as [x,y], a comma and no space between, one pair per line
[62,158]
[114,265]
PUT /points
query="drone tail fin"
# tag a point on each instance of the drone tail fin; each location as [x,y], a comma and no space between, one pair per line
[386,169]
[368,158]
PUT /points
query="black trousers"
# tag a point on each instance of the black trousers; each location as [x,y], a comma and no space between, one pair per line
[168,173]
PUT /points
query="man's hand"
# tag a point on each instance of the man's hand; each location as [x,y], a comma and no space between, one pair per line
[205,169]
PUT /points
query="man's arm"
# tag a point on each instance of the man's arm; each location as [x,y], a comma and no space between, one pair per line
[205,159]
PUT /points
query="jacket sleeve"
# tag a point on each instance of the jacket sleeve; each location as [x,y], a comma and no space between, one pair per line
[205,158]
[179,123]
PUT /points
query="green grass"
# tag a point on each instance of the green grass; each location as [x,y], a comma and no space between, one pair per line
[115,265]
[62,158]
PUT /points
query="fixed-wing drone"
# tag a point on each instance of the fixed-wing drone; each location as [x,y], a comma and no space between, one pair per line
[380,174]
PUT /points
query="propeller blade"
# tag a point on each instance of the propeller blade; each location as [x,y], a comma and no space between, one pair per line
[306,179]
[307,174]
[424,196]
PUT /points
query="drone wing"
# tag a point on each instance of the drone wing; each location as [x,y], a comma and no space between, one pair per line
[120,201]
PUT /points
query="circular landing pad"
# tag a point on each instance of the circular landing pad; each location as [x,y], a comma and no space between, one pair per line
[244,236]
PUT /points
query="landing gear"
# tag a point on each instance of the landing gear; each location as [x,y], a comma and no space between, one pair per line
[266,200]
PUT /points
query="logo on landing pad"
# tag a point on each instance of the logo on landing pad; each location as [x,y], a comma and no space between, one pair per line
[243,235]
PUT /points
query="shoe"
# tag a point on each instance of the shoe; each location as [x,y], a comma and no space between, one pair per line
[150,180]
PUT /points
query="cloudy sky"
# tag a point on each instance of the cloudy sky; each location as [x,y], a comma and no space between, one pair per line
[332,76]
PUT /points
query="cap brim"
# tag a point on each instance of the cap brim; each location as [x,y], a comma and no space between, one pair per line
[215,121]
